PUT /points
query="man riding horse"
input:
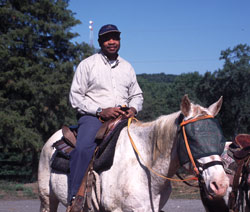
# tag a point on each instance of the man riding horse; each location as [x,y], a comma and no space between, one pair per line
[101,83]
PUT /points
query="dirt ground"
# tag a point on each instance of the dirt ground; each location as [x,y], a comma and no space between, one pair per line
[175,205]
[24,197]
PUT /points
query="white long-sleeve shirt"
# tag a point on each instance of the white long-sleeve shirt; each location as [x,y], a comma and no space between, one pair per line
[97,83]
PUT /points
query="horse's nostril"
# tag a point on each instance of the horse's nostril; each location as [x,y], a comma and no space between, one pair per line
[215,185]
[218,188]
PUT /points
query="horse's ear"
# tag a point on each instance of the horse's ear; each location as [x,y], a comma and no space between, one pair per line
[185,105]
[215,107]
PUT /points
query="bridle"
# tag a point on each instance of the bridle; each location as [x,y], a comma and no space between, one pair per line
[197,166]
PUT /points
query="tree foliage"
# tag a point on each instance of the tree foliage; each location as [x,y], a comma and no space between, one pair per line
[231,82]
[163,93]
[156,91]
[37,59]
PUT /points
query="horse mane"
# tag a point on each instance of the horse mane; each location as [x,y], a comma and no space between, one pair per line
[165,130]
[164,133]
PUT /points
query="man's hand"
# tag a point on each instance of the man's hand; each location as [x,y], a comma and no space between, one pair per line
[111,113]
[130,112]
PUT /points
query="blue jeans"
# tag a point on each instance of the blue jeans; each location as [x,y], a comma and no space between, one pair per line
[81,156]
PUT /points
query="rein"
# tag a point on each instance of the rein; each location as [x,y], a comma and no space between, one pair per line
[148,167]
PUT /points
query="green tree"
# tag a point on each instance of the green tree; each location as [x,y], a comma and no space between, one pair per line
[184,84]
[231,82]
[156,91]
[162,93]
[36,59]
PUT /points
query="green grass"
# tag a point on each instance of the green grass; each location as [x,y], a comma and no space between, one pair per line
[19,191]
[13,190]
[183,191]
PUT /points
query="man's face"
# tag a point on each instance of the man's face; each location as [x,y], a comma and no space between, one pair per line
[110,44]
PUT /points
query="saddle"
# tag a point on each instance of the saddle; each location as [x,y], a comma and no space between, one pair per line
[239,151]
[68,142]
[70,134]
[241,146]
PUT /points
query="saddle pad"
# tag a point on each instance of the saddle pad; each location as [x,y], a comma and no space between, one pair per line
[105,154]
[60,162]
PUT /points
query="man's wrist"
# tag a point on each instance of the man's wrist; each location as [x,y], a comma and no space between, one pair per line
[98,111]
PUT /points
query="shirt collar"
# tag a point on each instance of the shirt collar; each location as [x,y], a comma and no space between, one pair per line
[106,60]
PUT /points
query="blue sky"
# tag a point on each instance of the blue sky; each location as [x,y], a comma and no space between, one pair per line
[168,36]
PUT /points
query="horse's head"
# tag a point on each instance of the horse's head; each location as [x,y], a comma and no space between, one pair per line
[206,143]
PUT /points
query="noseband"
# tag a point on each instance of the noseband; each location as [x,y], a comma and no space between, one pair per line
[197,166]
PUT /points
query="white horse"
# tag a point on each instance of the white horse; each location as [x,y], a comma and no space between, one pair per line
[129,185]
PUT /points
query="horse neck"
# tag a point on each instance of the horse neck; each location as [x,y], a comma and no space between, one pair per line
[165,135]
[161,143]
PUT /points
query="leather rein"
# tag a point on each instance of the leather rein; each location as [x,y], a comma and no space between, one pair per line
[197,167]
